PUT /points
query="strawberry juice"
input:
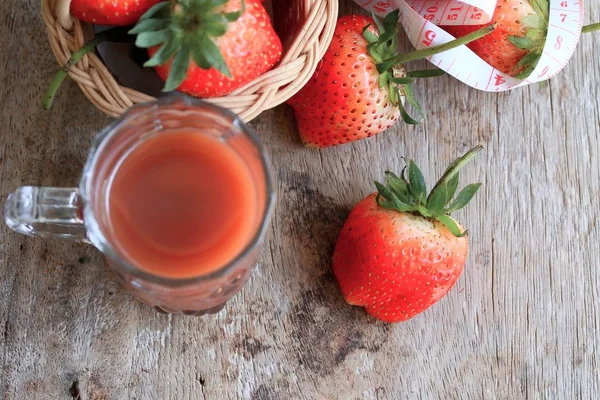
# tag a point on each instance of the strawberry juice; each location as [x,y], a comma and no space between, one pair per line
[182,205]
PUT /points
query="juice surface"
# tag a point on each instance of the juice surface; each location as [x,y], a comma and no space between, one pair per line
[182,205]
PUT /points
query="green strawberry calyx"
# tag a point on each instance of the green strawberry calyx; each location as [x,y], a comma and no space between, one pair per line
[534,40]
[185,30]
[408,193]
[384,50]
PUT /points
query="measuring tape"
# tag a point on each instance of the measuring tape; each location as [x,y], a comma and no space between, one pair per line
[420,18]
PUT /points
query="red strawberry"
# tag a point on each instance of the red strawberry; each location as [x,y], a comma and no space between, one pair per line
[400,251]
[518,41]
[111,12]
[344,101]
[207,49]
[359,87]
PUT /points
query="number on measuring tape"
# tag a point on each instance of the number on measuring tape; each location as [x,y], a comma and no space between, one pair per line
[379,7]
[429,37]
[420,20]
[500,80]
[558,43]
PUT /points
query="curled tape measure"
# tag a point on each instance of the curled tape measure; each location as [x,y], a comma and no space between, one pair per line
[420,18]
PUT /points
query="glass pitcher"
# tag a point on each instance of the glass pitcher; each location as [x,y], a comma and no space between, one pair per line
[81,213]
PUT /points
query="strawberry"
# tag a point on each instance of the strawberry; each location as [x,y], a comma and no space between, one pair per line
[360,86]
[208,48]
[111,12]
[517,43]
[400,252]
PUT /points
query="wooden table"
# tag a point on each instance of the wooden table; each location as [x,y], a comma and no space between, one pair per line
[523,322]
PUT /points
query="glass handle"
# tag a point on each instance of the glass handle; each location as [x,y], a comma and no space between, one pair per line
[46,212]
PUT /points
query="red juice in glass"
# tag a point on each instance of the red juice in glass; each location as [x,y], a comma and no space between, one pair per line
[177,194]
[183,205]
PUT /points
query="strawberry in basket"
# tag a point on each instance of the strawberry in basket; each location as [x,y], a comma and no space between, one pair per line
[205,48]
[208,48]
[110,12]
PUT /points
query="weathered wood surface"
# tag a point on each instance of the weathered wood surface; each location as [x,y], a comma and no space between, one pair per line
[522,323]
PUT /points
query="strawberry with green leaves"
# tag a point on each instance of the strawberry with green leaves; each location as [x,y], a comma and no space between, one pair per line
[400,251]
[517,43]
[360,87]
[110,12]
[208,48]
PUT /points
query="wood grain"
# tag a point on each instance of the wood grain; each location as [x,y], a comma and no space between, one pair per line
[522,323]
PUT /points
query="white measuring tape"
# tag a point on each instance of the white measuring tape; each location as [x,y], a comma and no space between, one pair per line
[419,18]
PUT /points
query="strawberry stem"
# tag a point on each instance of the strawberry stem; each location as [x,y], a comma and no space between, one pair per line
[453,169]
[114,34]
[408,193]
[185,32]
[591,28]
[420,54]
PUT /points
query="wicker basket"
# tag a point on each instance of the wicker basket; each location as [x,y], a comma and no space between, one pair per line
[309,25]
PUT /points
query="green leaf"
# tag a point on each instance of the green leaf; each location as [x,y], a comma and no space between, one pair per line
[388,35]
[159,8]
[452,226]
[384,203]
[536,34]
[524,43]
[215,3]
[540,7]
[164,53]
[405,116]
[410,98]
[385,66]
[179,68]
[404,175]
[528,59]
[199,58]
[402,81]
[464,197]
[378,22]
[212,54]
[390,196]
[534,21]
[149,25]
[417,183]
[544,6]
[437,199]
[390,21]
[214,25]
[152,38]
[526,72]
[426,73]
[373,49]
[424,211]
[393,94]
[234,16]
[452,186]
[369,35]
[459,163]
[398,186]
[383,79]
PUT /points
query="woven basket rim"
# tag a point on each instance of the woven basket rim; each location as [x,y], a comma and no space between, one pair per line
[276,86]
